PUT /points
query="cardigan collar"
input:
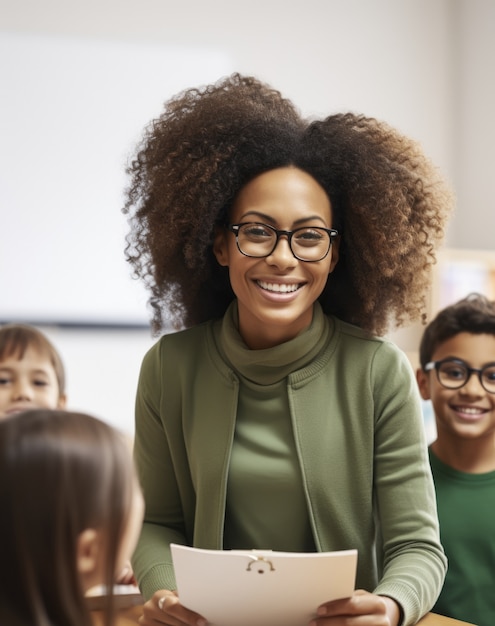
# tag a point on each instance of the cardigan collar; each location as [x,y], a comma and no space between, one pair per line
[271,365]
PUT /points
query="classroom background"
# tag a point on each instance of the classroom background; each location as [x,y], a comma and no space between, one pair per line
[80,80]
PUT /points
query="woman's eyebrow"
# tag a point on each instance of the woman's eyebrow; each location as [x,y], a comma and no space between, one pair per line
[268,218]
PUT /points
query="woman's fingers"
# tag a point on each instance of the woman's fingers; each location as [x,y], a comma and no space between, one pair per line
[165,608]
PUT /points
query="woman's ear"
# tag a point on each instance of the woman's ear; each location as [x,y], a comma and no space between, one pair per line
[334,251]
[423,384]
[88,552]
[220,246]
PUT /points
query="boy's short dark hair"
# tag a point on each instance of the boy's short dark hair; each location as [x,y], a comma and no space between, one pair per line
[15,339]
[473,314]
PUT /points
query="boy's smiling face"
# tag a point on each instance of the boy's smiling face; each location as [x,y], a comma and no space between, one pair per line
[467,412]
[29,382]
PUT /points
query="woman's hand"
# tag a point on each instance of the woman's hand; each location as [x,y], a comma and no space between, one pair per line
[361,609]
[164,608]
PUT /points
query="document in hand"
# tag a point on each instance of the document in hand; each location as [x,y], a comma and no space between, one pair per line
[261,587]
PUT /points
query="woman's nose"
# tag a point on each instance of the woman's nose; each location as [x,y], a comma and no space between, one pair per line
[281,255]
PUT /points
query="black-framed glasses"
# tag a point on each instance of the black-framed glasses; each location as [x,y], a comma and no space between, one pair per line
[308,243]
[455,373]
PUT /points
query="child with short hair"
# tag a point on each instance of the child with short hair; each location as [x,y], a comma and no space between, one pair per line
[71,511]
[457,373]
[32,373]
[32,376]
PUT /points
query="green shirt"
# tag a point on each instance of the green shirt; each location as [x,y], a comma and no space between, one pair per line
[361,453]
[265,485]
[466,509]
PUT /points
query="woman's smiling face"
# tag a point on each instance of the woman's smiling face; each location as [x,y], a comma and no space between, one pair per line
[276,293]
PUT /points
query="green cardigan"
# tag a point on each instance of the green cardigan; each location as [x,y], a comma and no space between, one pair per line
[359,434]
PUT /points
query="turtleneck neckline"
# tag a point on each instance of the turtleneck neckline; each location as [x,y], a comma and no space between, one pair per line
[270,365]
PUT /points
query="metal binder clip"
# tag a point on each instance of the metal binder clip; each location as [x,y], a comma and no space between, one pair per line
[260,559]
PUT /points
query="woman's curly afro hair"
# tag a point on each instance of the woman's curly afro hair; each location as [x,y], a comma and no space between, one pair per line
[389,202]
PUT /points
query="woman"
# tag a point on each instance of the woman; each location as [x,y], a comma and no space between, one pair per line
[284,247]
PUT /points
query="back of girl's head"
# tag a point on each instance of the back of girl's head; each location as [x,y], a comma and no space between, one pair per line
[60,474]
[474,314]
[15,339]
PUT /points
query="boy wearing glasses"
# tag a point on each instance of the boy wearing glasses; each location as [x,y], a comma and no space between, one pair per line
[457,359]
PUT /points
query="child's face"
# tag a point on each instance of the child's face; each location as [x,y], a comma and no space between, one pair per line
[92,549]
[28,383]
[469,411]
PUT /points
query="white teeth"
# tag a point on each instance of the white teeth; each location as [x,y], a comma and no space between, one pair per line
[470,410]
[278,287]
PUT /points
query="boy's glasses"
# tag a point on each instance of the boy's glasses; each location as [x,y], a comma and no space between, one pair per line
[309,243]
[455,373]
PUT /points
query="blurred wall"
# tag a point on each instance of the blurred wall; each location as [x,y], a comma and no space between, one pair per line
[473,106]
[425,66]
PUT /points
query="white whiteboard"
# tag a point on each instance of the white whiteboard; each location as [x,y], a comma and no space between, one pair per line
[71,112]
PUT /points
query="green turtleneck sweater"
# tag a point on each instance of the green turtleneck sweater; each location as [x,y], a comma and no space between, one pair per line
[329,421]
[265,486]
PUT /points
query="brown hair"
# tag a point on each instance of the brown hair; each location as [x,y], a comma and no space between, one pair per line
[388,201]
[15,339]
[60,473]
[474,314]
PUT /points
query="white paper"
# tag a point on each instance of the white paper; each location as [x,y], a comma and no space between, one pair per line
[261,587]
